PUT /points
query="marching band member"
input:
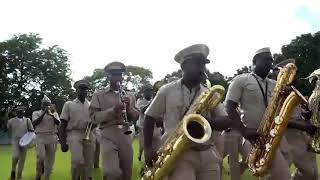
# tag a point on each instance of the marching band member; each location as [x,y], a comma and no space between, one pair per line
[18,125]
[107,108]
[251,93]
[75,133]
[45,123]
[201,161]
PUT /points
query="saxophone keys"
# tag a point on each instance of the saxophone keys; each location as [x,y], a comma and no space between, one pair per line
[273,132]
[262,161]
[268,147]
[278,120]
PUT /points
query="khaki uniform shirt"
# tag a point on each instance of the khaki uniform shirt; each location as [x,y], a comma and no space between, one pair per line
[141,103]
[47,124]
[19,126]
[76,114]
[244,89]
[172,101]
[102,104]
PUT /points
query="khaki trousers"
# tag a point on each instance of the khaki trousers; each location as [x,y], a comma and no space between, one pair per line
[18,156]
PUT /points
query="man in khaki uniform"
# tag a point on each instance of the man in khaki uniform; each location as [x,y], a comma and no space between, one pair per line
[304,160]
[201,161]
[46,138]
[18,126]
[75,118]
[107,108]
[251,92]
[142,105]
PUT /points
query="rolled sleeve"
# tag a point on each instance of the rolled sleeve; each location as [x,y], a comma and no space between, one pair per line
[158,106]
[65,112]
[35,115]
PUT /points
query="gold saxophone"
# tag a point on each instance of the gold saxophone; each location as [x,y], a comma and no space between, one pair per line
[314,101]
[182,136]
[274,121]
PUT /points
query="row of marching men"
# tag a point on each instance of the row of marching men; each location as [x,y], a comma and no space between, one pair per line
[79,127]
[112,108]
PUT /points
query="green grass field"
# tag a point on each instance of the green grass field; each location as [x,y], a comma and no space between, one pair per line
[61,170]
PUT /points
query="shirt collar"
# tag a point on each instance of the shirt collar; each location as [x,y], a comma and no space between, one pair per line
[259,78]
[181,86]
[76,100]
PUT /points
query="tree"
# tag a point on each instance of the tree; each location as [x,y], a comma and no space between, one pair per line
[245,69]
[305,49]
[29,70]
[217,78]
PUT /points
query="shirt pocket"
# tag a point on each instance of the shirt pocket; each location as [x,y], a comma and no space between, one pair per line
[252,87]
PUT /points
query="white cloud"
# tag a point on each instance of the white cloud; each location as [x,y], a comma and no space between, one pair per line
[149,33]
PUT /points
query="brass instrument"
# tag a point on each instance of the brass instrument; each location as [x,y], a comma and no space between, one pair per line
[126,126]
[52,110]
[88,131]
[274,121]
[314,101]
[182,137]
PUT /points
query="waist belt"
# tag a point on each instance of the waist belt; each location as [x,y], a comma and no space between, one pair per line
[201,147]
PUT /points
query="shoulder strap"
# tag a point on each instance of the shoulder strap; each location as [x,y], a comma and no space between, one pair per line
[264,93]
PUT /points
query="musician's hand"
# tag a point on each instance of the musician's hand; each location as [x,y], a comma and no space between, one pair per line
[306,114]
[252,136]
[286,91]
[118,108]
[150,156]
[46,110]
[126,100]
[64,147]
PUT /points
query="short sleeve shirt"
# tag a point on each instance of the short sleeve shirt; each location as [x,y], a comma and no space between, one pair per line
[47,124]
[245,90]
[173,100]
[76,114]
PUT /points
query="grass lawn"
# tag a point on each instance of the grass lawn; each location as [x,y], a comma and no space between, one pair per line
[61,170]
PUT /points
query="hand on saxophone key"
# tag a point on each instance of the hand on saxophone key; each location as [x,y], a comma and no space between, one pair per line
[252,136]
[285,91]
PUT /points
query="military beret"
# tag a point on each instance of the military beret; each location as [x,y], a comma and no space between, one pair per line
[115,67]
[81,82]
[189,52]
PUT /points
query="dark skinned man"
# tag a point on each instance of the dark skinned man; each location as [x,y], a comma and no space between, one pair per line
[201,161]
[74,122]
[107,108]
[46,138]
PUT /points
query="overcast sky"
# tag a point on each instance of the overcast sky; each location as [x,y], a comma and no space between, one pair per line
[149,33]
